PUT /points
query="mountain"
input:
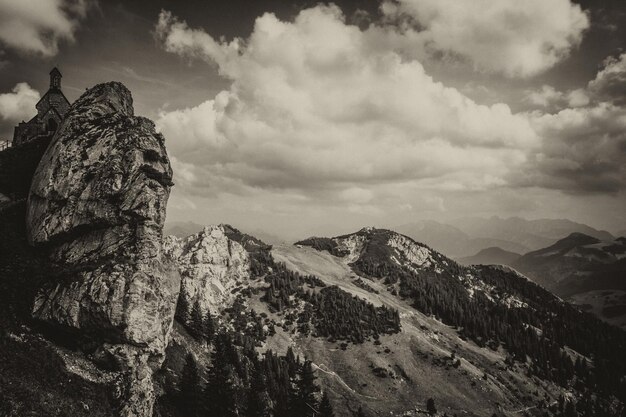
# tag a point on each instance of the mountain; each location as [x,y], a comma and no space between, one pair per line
[385,324]
[378,314]
[184,229]
[454,242]
[585,269]
[424,284]
[491,256]
[534,234]
[100,315]
[181,229]
[465,237]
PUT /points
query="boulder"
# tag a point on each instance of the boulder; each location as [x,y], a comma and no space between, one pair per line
[96,207]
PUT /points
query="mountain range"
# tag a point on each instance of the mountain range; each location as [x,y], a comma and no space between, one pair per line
[389,323]
[465,237]
[103,315]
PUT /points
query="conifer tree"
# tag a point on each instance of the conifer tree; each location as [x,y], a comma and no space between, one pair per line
[259,403]
[190,390]
[182,309]
[196,321]
[326,409]
[430,407]
[209,326]
[292,362]
[220,390]
[303,401]
[570,409]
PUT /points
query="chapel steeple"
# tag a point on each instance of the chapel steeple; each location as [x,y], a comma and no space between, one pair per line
[55,78]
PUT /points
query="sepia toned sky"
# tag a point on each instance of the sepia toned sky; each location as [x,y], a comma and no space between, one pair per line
[302,118]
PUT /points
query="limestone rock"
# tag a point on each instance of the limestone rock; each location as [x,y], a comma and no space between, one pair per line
[97,207]
[211,265]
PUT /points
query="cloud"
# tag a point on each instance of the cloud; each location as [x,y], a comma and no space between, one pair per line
[610,83]
[549,97]
[37,26]
[517,38]
[584,148]
[317,108]
[544,97]
[19,104]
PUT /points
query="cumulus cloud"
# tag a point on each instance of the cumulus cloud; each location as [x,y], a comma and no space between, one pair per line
[37,26]
[517,38]
[318,108]
[584,148]
[19,104]
[610,83]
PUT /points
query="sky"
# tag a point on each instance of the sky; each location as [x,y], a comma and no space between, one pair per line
[300,118]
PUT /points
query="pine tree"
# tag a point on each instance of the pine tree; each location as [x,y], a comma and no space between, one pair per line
[570,410]
[196,321]
[209,326]
[182,309]
[326,409]
[361,413]
[430,407]
[190,390]
[220,390]
[259,403]
[303,402]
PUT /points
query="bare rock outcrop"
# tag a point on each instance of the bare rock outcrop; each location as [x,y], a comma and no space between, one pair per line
[97,207]
[211,265]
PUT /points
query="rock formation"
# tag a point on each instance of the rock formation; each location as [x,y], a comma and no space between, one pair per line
[97,207]
[211,265]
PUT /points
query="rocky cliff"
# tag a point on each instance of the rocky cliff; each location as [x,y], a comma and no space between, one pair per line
[211,265]
[96,208]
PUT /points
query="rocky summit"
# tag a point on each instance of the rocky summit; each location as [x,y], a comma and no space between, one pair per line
[96,208]
[211,265]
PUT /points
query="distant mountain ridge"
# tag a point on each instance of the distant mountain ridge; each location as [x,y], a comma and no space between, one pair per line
[568,260]
[465,237]
[491,256]
[585,269]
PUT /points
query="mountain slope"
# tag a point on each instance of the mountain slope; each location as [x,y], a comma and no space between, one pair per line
[389,323]
[490,306]
[590,271]
[575,263]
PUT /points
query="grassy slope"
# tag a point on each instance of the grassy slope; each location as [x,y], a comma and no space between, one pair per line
[416,357]
[596,301]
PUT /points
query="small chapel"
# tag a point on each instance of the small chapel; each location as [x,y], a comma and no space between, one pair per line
[51,110]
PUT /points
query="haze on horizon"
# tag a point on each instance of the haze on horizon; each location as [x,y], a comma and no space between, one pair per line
[303,117]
